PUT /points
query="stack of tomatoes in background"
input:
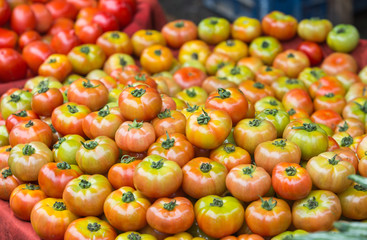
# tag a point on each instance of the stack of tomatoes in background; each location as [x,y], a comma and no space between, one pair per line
[216,131]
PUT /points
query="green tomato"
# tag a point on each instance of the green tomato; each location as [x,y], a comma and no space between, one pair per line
[4,136]
[18,100]
[343,38]
[214,30]
[65,149]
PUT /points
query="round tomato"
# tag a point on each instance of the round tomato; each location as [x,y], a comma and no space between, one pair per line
[230,155]
[246,29]
[33,130]
[121,174]
[177,32]
[156,58]
[35,53]
[8,182]
[213,30]
[266,48]
[12,65]
[279,25]
[87,57]
[22,18]
[66,147]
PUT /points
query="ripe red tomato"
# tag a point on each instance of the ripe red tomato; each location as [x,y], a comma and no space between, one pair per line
[178,32]
[8,182]
[12,65]
[8,38]
[313,52]
[123,10]
[279,25]
[19,116]
[5,12]
[60,8]
[63,41]
[106,20]
[121,174]
[43,17]
[35,53]
[31,131]
[28,37]
[22,19]
[45,100]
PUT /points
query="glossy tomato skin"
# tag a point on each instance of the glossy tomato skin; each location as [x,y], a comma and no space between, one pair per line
[65,149]
[194,50]
[291,181]
[279,25]
[313,52]
[86,194]
[51,212]
[90,228]
[156,58]
[122,10]
[316,212]
[22,19]
[157,177]
[177,32]
[12,65]
[230,155]
[56,65]
[23,198]
[8,182]
[203,176]
[46,100]
[53,177]
[26,160]
[246,29]
[32,130]
[169,121]
[126,209]
[35,53]
[266,48]
[68,118]
[144,38]
[64,41]
[171,216]
[121,174]
[8,38]
[87,57]
[213,30]
[219,217]
[19,116]
[189,76]
[338,62]
[314,30]
[4,156]
[350,199]
[115,42]
[28,37]
[5,12]
[292,62]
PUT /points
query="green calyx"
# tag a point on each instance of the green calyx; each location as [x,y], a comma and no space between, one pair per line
[14,98]
[192,109]
[346,141]
[157,165]
[191,92]
[115,35]
[213,21]
[127,159]
[311,203]
[230,43]
[43,90]
[94,227]
[158,52]
[249,170]
[170,206]
[59,206]
[204,118]
[22,113]
[272,112]
[61,140]
[268,69]
[229,149]
[138,92]
[291,112]
[84,184]
[235,71]
[255,122]
[333,160]
[329,95]
[8,149]
[63,165]
[128,197]
[135,125]
[6,173]
[85,49]
[195,56]
[134,236]
[168,143]
[360,188]
[265,44]
[88,84]
[51,60]
[205,167]
[290,55]
[363,107]
[122,62]
[292,81]
[29,124]
[28,150]
[32,187]
[216,202]
[104,112]
[223,94]
[309,127]
[89,145]
[140,77]
[165,114]
[291,171]
[179,24]
[258,85]
[72,109]
[269,204]
[273,103]
[281,143]
[343,128]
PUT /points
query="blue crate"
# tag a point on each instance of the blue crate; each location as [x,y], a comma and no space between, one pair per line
[300,9]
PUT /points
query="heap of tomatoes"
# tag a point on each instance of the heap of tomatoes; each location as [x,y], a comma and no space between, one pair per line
[215,133]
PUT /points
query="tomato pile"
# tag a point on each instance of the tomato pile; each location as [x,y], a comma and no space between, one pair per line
[215,133]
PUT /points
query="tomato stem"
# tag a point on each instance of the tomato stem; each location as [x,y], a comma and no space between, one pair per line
[340,30]
[63,165]
[28,150]
[6,173]
[281,143]
[229,149]
[272,112]
[291,112]
[29,124]
[249,170]
[84,184]
[170,206]
[265,44]
[165,114]
[255,122]
[105,111]
[311,203]
[168,143]
[127,159]
[329,95]
[138,92]
[85,49]
[179,24]
[122,61]
[134,236]
[213,21]
[290,55]
[235,71]
[43,90]
[346,141]
[140,77]
[22,113]
[258,85]
[268,69]
[205,167]
[292,81]
[135,125]
[309,127]
[291,171]
[192,109]
[149,33]
[88,84]
[8,149]
[72,109]
[204,118]
[89,145]
[195,56]
[59,206]
[158,52]
[363,107]
[230,43]
[115,35]
[223,94]
[333,160]
[94,227]
[216,202]
[30,186]
[343,128]
[191,92]
[61,140]
[273,103]
[14,98]
[360,188]
[157,165]
[128,197]
[268,205]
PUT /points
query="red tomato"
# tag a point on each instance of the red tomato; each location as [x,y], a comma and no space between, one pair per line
[313,52]
[106,20]
[43,17]
[19,116]
[12,65]
[63,41]
[189,76]
[28,37]
[31,131]
[123,10]
[22,19]
[8,182]
[61,24]
[60,8]
[328,117]
[338,62]
[178,32]
[121,174]
[35,53]
[46,100]
[8,38]
[279,25]
[89,33]
[5,12]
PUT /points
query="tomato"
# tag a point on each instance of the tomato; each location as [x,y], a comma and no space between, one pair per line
[338,62]
[311,75]
[85,58]
[97,156]
[61,25]
[212,83]
[313,52]
[46,100]
[314,29]
[144,38]
[86,194]
[362,166]
[266,48]
[90,228]
[330,101]
[219,217]
[171,215]
[236,49]
[37,83]
[279,25]
[267,75]
[291,181]
[35,53]
[22,19]
[115,42]
[268,216]
[8,38]
[135,235]
[188,77]
[213,30]
[106,20]
[352,126]
[18,117]
[43,17]
[88,32]
[325,85]
[122,10]
[156,58]
[249,133]
[292,62]
[4,136]
[230,155]
[298,98]
[64,41]
[120,62]
[316,212]
[203,176]
[8,182]
[290,234]
[126,209]
[329,172]
[121,174]
[208,129]
[33,130]
[236,74]
[194,50]
[343,38]
[56,65]
[244,237]
[255,91]
[247,182]
[12,65]
[135,136]
[278,118]
[28,37]
[24,198]
[5,12]
[350,199]
[4,155]
[65,149]
[177,32]
[246,29]
[68,118]
[53,213]
[26,160]
[305,133]
[356,109]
